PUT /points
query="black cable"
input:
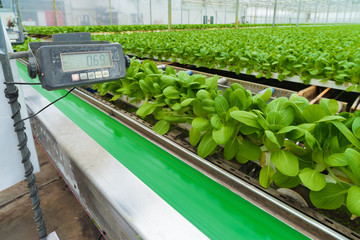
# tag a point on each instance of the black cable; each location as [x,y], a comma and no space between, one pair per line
[12,93]
[46,106]
[101,235]
[22,83]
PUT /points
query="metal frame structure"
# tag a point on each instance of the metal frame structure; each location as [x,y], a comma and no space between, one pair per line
[272,11]
[315,7]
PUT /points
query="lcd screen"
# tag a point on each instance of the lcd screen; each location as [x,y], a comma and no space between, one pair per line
[83,61]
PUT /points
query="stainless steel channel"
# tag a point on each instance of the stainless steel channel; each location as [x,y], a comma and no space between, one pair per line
[111,194]
[294,218]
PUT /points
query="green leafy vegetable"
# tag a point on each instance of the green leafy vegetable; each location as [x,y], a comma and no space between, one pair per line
[332,196]
[286,162]
[161,127]
[353,200]
[312,179]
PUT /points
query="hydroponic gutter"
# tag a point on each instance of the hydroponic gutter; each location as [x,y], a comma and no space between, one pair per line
[295,79]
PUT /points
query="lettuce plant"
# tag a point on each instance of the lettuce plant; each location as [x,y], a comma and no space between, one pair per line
[322,53]
[294,142]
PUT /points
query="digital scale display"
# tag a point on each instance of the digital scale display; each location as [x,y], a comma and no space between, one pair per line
[72,59]
[85,60]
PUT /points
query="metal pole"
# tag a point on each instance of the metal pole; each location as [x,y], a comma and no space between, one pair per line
[316,7]
[225,12]
[267,8]
[138,11]
[351,10]
[181,11]
[298,15]
[110,12]
[237,14]
[169,14]
[274,17]
[327,14]
[337,13]
[355,13]
[11,92]
[206,12]
[345,11]
[56,20]
[151,13]
[21,28]
[254,15]
[188,16]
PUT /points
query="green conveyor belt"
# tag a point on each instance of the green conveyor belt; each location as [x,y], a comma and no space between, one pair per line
[212,208]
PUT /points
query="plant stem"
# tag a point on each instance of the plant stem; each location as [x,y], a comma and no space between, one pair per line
[350,175]
[333,175]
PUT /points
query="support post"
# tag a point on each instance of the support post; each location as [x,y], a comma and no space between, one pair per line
[351,10]
[11,92]
[337,13]
[181,11]
[56,20]
[355,13]
[138,11]
[205,2]
[316,7]
[254,15]
[21,28]
[345,10]
[266,17]
[169,15]
[188,16]
[237,14]
[110,12]
[274,17]
[298,15]
[151,12]
[327,14]
[225,12]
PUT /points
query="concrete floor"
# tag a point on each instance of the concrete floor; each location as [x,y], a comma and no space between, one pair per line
[62,212]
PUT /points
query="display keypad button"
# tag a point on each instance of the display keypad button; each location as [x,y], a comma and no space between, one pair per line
[83,76]
[105,73]
[91,75]
[75,77]
[98,74]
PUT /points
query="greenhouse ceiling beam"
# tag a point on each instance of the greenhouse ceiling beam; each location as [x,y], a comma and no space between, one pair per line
[306,7]
[291,5]
[209,2]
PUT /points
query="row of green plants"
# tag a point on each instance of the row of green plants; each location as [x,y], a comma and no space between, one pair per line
[25,46]
[322,53]
[49,30]
[294,142]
